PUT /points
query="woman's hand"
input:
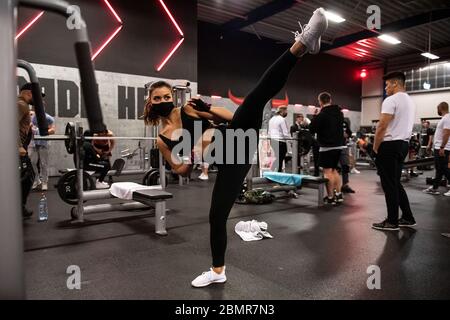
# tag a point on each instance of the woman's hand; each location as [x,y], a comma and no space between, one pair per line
[199,105]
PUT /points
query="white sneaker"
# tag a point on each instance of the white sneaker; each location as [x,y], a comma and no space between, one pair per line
[354,170]
[203,177]
[312,32]
[101,185]
[208,277]
[44,186]
[36,184]
[447,194]
[432,191]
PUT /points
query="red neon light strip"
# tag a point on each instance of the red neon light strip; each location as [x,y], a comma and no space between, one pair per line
[106,43]
[170,54]
[171,18]
[113,11]
[362,50]
[29,25]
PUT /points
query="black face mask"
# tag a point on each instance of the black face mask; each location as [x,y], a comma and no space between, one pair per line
[163,109]
[440,113]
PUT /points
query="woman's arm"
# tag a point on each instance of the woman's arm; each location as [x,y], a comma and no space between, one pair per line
[176,163]
[205,110]
[222,113]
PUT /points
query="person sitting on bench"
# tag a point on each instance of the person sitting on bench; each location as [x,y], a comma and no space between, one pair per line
[93,161]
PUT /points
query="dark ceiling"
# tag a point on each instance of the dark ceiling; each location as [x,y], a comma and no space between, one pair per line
[413,22]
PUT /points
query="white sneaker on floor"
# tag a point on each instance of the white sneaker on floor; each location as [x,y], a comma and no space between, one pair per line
[432,191]
[447,194]
[44,186]
[203,177]
[101,185]
[209,277]
[354,170]
[311,33]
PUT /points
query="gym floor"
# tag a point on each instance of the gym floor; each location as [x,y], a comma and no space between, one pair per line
[316,253]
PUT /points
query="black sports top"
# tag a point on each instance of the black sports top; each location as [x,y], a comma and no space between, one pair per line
[187,123]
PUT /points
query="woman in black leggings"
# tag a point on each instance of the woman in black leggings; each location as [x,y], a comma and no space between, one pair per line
[248,116]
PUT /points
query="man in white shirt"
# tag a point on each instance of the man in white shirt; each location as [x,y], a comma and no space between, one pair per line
[391,147]
[441,150]
[278,133]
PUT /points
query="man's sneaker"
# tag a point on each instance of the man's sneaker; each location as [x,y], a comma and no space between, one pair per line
[36,184]
[385,225]
[432,191]
[406,223]
[447,194]
[339,197]
[331,201]
[208,277]
[44,186]
[354,170]
[101,185]
[310,34]
[26,214]
[347,189]
[203,177]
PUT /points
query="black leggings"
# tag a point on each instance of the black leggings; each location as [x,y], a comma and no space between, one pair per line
[230,176]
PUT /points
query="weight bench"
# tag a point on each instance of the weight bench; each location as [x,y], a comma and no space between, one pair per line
[418,162]
[141,199]
[307,182]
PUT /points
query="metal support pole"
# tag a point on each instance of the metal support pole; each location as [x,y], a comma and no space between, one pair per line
[295,157]
[321,194]
[79,154]
[160,218]
[162,172]
[11,237]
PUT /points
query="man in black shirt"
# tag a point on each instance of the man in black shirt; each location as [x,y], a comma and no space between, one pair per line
[301,123]
[328,125]
[92,161]
[427,139]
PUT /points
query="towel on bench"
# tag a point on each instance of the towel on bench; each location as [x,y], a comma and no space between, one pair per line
[284,178]
[124,190]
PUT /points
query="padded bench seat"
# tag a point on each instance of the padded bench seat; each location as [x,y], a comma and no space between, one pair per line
[151,195]
[419,162]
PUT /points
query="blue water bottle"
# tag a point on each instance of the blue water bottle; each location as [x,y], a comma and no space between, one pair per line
[43,210]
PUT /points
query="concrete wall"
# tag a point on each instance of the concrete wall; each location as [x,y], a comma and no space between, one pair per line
[121,98]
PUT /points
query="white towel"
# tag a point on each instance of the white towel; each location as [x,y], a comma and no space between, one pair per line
[252,230]
[124,190]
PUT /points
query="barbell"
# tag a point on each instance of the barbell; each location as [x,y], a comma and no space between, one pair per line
[69,137]
[305,139]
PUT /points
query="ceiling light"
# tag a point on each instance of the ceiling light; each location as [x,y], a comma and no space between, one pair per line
[430,56]
[334,17]
[389,39]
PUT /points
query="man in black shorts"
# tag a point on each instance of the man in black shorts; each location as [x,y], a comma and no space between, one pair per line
[328,125]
